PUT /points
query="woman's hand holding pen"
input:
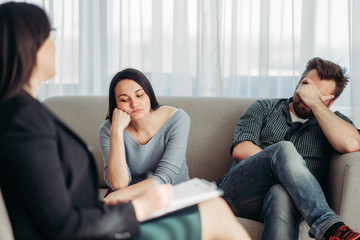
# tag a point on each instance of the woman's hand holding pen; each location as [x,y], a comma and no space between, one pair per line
[154,198]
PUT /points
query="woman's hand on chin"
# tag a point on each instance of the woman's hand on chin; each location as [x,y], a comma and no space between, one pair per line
[120,121]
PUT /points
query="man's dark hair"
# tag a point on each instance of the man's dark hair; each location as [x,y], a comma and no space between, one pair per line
[23,29]
[329,71]
[137,76]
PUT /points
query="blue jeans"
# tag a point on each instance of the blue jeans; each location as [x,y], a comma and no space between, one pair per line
[276,187]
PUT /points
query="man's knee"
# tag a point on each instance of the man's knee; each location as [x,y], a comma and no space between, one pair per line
[286,155]
[285,146]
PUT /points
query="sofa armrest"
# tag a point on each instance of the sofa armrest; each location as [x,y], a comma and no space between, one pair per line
[344,187]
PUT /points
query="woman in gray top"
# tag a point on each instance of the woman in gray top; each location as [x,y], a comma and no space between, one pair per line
[140,137]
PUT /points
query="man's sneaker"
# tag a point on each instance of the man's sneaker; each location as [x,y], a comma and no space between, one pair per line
[345,233]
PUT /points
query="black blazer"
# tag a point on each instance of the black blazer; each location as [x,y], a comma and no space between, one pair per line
[49,181]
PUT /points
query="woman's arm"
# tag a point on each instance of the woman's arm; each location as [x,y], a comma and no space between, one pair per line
[152,197]
[130,192]
[116,171]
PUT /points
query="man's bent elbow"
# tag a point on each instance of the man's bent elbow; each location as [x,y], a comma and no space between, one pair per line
[350,147]
[237,156]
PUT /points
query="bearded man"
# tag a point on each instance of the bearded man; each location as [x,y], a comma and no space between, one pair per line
[282,149]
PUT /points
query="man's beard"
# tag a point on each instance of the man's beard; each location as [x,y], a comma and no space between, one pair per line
[301,112]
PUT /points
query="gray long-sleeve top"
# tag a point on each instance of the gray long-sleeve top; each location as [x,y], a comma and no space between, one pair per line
[163,155]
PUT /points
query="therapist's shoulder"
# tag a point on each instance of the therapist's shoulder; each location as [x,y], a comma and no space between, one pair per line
[27,113]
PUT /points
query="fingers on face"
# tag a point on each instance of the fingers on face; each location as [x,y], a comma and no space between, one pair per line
[119,112]
[307,83]
[306,80]
[329,98]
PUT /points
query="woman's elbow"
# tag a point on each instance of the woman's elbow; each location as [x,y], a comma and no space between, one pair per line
[116,184]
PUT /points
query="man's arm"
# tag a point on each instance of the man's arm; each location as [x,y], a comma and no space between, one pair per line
[342,136]
[245,149]
[246,139]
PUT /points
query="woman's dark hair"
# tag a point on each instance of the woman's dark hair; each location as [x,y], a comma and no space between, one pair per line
[137,76]
[329,71]
[23,29]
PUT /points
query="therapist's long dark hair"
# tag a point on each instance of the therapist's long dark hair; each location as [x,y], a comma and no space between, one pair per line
[23,29]
[137,76]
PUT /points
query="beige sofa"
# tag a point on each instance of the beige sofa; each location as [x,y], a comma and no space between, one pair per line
[213,120]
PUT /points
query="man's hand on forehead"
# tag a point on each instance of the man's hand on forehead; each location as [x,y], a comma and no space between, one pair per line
[310,93]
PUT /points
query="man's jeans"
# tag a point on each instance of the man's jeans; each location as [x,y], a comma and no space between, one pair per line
[276,187]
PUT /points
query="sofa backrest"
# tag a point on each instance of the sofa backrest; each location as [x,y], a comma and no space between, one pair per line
[213,120]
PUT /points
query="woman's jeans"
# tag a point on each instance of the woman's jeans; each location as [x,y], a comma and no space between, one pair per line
[276,187]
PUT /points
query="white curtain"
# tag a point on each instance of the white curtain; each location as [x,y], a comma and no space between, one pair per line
[231,48]
[354,49]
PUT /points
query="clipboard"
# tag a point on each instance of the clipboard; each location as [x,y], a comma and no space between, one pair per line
[187,194]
